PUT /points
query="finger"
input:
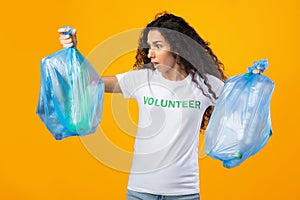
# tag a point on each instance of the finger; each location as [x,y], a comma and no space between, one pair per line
[68,45]
[67,41]
[74,32]
[62,30]
[64,37]
[64,41]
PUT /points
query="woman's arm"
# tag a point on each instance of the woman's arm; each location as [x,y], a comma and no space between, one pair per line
[111,84]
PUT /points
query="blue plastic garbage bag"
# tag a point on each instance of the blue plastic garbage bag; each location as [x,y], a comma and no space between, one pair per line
[240,125]
[71,94]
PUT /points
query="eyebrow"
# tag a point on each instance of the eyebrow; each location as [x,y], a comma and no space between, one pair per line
[155,42]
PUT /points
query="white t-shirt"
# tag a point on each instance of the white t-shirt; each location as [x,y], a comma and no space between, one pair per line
[165,160]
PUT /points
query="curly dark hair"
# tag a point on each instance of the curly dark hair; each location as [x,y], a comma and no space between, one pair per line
[193,53]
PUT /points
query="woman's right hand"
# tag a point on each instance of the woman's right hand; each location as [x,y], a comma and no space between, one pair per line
[67,40]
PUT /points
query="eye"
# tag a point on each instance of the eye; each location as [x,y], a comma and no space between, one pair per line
[158,46]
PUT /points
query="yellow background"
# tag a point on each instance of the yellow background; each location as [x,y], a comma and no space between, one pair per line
[34,166]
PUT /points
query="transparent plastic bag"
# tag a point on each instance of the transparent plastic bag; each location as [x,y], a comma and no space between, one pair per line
[71,94]
[240,125]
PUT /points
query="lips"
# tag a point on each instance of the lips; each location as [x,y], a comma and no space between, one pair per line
[155,64]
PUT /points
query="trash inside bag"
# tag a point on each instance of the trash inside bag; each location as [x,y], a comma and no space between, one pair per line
[71,94]
[240,125]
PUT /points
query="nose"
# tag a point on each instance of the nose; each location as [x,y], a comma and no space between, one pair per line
[151,53]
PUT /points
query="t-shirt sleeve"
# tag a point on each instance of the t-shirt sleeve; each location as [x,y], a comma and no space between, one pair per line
[216,84]
[130,81]
[126,85]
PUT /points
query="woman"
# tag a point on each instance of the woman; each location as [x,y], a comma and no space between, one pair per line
[176,85]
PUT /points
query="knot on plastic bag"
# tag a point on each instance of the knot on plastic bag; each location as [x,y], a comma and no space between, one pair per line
[260,65]
[69,30]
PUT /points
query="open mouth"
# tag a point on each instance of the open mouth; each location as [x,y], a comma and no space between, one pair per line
[155,64]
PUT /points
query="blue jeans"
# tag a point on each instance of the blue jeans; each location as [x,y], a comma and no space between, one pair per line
[132,195]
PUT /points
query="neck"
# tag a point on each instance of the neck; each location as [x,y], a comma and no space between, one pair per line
[175,74]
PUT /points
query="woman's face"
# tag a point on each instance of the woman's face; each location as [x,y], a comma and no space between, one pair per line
[159,53]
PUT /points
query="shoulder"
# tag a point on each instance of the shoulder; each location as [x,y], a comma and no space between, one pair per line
[134,73]
[215,83]
[134,78]
[131,80]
